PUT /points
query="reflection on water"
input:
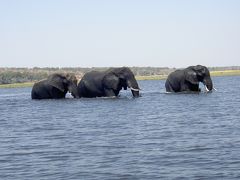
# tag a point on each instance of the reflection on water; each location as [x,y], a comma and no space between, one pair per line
[156,136]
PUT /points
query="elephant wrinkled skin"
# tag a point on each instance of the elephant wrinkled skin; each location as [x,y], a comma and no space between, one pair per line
[55,87]
[107,83]
[187,80]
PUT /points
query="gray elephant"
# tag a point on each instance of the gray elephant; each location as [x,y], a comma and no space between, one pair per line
[55,87]
[188,79]
[108,83]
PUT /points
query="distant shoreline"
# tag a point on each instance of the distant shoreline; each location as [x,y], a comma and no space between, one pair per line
[213,73]
[152,77]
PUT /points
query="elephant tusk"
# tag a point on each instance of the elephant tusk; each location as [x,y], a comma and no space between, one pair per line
[206,89]
[215,89]
[134,89]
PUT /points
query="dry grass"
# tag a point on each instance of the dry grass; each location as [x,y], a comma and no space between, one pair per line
[213,73]
[226,73]
[156,77]
[16,85]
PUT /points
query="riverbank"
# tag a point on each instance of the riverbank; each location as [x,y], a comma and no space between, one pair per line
[155,77]
[17,85]
[226,73]
[213,73]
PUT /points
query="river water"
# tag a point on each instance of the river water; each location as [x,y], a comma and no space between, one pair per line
[156,136]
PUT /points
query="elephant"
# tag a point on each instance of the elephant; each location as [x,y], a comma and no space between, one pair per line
[55,86]
[108,83]
[187,80]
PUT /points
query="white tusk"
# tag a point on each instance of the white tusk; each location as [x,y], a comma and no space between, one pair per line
[214,89]
[134,89]
[206,88]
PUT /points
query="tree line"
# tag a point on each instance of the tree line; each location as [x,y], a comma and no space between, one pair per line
[20,75]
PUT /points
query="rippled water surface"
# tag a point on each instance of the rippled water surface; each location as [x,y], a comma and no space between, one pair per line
[156,136]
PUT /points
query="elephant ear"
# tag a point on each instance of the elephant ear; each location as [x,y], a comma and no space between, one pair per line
[111,81]
[191,76]
[201,70]
[57,81]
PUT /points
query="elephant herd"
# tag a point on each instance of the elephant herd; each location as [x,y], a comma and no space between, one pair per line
[109,83]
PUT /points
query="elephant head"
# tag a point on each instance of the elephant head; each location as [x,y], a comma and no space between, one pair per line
[196,74]
[123,78]
[64,83]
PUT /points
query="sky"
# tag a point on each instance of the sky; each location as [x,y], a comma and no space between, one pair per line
[114,33]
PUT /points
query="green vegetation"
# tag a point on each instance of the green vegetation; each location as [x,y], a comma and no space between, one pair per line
[213,73]
[226,73]
[25,77]
[16,85]
[20,76]
[154,77]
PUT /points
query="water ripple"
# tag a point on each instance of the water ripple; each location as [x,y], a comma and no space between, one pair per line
[156,136]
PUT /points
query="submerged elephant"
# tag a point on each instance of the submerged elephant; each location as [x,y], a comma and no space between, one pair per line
[107,83]
[188,79]
[55,86]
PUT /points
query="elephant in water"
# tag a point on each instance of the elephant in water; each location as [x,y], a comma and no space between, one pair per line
[55,86]
[188,79]
[107,83]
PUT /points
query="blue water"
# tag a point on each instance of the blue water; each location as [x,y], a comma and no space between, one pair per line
[156,136]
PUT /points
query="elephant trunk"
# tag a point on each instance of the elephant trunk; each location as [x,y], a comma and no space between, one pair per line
[208,84]
[133,85]
[73,90]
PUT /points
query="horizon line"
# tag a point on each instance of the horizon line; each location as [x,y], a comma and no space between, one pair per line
[62,67]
